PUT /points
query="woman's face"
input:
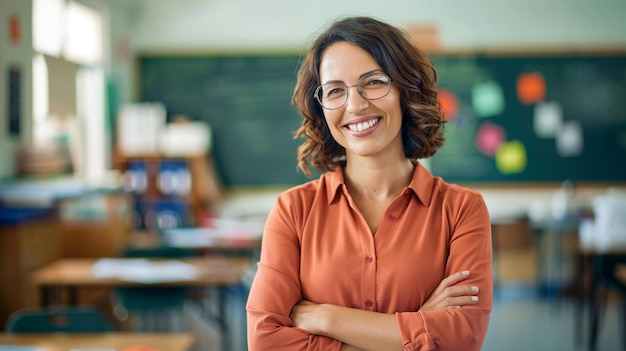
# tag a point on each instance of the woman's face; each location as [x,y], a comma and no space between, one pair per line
[363,127]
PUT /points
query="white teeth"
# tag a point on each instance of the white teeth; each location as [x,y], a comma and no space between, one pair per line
[359,127]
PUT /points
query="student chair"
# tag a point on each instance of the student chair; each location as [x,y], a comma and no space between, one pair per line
[84,319]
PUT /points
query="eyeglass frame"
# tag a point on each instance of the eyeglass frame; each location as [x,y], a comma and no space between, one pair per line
[348,89]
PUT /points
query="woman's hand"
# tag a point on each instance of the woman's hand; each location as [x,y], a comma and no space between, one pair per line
[448,295]
[307,315]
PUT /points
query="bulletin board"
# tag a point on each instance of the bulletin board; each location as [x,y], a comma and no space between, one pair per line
[533,118]
[513,118]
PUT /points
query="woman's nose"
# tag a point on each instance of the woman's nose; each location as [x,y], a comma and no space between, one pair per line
[355,102]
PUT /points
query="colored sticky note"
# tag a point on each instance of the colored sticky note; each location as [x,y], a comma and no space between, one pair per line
[569,141]
[531,88]
[449,104]
[489,138]
[511,157]
[548,119]
[487,99]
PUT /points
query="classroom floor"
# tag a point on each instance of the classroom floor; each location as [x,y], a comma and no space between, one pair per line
[534,323]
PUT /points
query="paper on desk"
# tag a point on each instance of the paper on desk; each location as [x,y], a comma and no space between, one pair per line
[225,230]
[191,237]
[143,270]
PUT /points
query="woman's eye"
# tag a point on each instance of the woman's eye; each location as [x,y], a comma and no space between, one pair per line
[375,81]
[334,92]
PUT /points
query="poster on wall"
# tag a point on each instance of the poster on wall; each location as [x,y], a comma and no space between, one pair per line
[14,101]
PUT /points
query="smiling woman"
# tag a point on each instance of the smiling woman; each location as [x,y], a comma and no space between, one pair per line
[414,252]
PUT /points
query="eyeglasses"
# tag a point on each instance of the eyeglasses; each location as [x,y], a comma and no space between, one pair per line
[334,95]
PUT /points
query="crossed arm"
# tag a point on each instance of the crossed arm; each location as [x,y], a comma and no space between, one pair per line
[361,330]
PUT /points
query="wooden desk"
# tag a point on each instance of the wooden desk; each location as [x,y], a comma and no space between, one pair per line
[100,341]
[70,274]
[78,272]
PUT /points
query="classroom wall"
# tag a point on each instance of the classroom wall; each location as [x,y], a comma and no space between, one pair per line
[14,54]
[246,24]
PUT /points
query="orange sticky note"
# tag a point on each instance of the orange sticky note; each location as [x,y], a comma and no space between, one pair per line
[449,104]
[531,88]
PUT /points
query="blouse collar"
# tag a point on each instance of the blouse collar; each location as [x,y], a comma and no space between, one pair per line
[421,184]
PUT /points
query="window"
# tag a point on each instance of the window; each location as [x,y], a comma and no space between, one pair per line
[69,83]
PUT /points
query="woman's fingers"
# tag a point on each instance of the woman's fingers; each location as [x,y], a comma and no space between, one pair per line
[454,278]
[458,301]
[456,295]
[448,295]
[463,290]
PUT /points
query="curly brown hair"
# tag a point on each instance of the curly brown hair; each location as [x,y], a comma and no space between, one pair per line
[410,70]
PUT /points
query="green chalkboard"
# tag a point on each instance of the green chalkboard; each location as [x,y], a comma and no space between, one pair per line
[246,100]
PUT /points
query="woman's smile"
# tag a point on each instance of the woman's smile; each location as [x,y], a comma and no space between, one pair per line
[363,126]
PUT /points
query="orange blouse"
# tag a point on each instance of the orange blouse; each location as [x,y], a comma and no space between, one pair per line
[317,246]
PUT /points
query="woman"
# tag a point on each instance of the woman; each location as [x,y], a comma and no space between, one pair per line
[376,254]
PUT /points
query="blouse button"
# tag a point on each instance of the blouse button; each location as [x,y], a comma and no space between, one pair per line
[369,303]
[391,218]
[369,259]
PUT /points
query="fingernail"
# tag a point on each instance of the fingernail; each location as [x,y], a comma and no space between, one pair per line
[465,272]
[474,288]
[474,298]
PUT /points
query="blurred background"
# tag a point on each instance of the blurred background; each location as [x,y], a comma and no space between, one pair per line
[124,121]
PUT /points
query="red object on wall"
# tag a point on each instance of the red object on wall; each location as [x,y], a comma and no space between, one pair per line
[14,29]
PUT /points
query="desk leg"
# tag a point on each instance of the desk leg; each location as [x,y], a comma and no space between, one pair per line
[72,295]
[49,294]
[223,292]
[598,300]
[45,296]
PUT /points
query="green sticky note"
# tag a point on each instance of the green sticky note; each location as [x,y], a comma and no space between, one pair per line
[487,99]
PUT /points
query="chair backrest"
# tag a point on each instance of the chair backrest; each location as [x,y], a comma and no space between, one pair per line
[58,319]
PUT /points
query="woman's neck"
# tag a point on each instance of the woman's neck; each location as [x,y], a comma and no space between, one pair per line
[378,180]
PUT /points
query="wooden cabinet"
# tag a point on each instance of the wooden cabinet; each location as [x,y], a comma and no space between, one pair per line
[95,224]
[29,238]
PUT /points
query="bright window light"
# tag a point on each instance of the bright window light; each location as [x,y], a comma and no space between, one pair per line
[40,98]
[48,20]
[84,39]
[91,106]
